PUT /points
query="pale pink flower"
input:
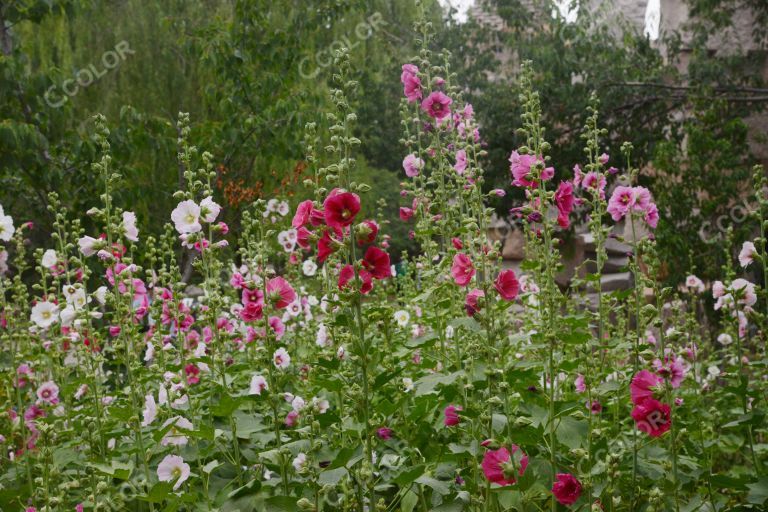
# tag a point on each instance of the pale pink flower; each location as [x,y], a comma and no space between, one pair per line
[173,468]
[747,254]
[412,165]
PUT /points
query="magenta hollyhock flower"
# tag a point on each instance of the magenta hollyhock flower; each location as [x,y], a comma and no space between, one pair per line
[461,161]
[471,301]
[48,392]
[366,232]
[507,284]
[452,415]
[340,209]
[652,417]
[251,312]
[462,269]
[577,175]
[303,212]
[457,243]
[437,105]
[564,202]
[278,327]
[384,433]
[596,407]
[642,199]
[254,295]
[193,374]
[621,201]
[405,213]
[673,369]
[411,82]
[566,488]
[412,165]
[347,274]
[643,385]
[280,292]
[502,466]
[291,418]
[377,263]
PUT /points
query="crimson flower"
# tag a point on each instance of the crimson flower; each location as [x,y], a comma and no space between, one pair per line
[340,209]
[507,284]
[502,466]
[377,263]
[652,417]
[280,292]
[303,211]
[566,488]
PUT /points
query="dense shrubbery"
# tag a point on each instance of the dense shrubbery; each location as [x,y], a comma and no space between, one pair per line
[304,372]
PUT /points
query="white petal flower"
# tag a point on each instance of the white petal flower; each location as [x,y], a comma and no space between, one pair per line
[309,267]
[6,227]
[299,462]
[258,384]
[44,314]
[209,210]
[402,317]
[89,245]
[747,254]
[49,258]
[173,436]
[173,468]
[186,217]
[150,410]
[281,359]
[129,226]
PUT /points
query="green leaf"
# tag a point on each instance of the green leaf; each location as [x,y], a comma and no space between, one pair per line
[758,492]
[282,503]
[438,486]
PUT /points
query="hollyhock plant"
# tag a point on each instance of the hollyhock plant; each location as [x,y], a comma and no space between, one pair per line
[747,254]
[564,201]
[173,469]
[521,167]
[411,82]
[644,385]
[451,415]
[280,293]
[503,466]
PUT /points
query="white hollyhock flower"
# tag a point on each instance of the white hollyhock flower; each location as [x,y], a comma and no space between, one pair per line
[283,208]
[150,410]
[322,336]
[101,294]
[89,245]
[44,314]
[173,436]
[173,468]
[75,295]
[281,359]
[272,205]
[67,315]
[407,384]
[258,384]
[3,261]
[320,405]
[402,317]
[300,462]
[694,283]
[49,258]
[6,226]
[298,403]
[309,267]
[209,210]
[186,217]
[725,339]
[129,226]
[747,254]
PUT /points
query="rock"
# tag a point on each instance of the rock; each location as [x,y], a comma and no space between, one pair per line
[514,246]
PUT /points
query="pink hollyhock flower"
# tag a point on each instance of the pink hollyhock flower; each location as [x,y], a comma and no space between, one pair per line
[564,202]
[621,201]
[502,467]
[566,488]
[251,312]
[603,159]
[405,213]
[254,295]
[596,407]
[462,269]
[672,369]
[745,291]
[384,433]
[718,289]
[694,284]
[280,293]
[173,469]
[291,418]
[594,182]
[303,236]
[303,211]
[643,385]
[451,415]
[277,327]
[471,301]
[411,82]
[457,243]
[48,392]
[377,263]
[507,284]
[461,161]
[652,216]
[114,330]
[652,417]
[340,209]
[642,199]
[521,166]
[577,175]
[237,281]
[747,254]
[193,374]
[412,165]
[581,386]
[437,105]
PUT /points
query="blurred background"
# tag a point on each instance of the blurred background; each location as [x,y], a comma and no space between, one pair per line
[682,80]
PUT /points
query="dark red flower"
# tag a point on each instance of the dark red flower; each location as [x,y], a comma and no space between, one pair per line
[652,417]
[566,488]
[340,209]
[377,263]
